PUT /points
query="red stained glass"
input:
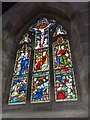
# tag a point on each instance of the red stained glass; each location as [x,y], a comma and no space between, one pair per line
[18,90]
[40,81]
[64,80]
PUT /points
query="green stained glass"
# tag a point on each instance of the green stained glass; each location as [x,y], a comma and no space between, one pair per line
[41,60]
[40,88]
[65,87]
[64,79]
[18,90]
[62,55]
[40,80]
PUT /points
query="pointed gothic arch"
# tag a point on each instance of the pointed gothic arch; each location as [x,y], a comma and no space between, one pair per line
[65,88]
[73,32]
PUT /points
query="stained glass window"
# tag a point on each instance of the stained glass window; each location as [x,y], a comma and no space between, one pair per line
[64,79]
[40,90]
[18,90]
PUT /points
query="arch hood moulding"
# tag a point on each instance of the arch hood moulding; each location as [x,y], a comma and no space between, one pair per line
[15,22]
[32,10]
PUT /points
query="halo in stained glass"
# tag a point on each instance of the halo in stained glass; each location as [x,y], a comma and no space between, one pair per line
[40,80]
[64,78]
[18,90]
[41,60]
[22,62]
[61,55]
[43,23]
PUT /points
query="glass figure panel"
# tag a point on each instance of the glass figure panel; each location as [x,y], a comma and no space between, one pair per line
[22,62]
[64,80]
[41,60]
[40,79]
[42,39]
[65,88]
[18,88]
[61,55]
[18,91]
[40,91]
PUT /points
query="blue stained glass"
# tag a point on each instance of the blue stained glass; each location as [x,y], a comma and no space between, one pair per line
[43,23]
[41,60]
[38,35]
[59,31]
[40,81]
[38,94]
[22,61]
[18,91]
[64,80]
[65,87]
[61,55]
[18,88]
[46,32]
[40,88]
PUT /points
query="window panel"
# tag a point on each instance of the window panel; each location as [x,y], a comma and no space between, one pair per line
[18,88]
[40,88]
[40,81]
[65,88]
[64,79]
[42,39]
[22,62]
[41,60]
[61,55]
[18,91]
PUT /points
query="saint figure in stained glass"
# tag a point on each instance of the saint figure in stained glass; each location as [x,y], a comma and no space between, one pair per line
[18,90]
[40,91]
[64,79]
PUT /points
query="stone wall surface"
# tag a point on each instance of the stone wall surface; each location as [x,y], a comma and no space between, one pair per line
[17,20]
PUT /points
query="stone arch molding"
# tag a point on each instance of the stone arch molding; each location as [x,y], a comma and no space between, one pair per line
[18,19]
[25,13]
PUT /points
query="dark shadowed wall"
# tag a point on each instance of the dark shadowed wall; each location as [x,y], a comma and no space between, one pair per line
[74,17]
